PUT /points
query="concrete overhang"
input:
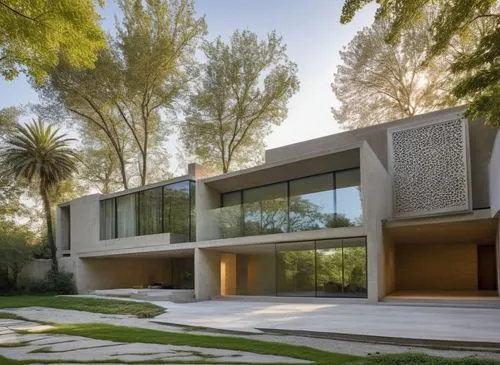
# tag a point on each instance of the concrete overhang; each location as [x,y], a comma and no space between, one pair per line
[475,227]
[337,158]
[173,249]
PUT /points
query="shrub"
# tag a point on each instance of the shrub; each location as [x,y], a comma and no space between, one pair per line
[55,283]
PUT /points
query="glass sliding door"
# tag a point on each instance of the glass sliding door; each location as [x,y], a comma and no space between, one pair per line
[329,268]
[354,259]
[296,269]
[322,268]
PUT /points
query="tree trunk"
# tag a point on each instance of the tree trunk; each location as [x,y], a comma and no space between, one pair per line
[48,218]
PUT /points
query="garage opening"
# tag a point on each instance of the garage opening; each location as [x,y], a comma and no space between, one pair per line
[449,260]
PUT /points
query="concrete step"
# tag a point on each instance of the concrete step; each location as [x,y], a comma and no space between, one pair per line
[170,295]
[457,303]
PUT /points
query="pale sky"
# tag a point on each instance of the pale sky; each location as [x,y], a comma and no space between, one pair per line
[313,35]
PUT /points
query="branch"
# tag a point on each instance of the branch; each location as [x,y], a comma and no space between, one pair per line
[19,13]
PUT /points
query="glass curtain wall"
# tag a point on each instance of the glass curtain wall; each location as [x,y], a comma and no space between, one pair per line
[150,211]
[322,201]
[126,215]
[311,202]
[107,227]
[323,268]
[164,209]
[265,210]
[177,212]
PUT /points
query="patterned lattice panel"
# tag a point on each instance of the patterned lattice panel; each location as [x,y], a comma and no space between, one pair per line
[429,168]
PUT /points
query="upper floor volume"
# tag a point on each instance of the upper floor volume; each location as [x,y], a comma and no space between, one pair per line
[428,165]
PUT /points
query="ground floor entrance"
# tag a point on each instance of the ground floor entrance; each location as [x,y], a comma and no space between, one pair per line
[441,260]
[320,268]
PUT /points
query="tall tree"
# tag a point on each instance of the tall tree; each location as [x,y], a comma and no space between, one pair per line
[243,90]
[40,153]
[378,81]
[135,83]
[478,70]
[36,33]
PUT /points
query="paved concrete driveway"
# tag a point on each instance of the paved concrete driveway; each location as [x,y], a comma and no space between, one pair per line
[424,323]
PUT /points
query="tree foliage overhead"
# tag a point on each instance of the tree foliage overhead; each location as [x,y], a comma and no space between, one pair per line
[478,70]
[378,81]
[243,91]
[136,81]
[37,33]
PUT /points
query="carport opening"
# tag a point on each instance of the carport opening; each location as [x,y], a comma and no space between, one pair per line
[140,272]
[442,260]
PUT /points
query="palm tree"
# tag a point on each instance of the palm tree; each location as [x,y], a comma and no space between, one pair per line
[40,154]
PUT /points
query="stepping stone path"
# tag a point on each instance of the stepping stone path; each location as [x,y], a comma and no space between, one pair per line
[40,346]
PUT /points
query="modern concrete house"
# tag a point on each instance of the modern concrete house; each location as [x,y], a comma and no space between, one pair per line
[406,208]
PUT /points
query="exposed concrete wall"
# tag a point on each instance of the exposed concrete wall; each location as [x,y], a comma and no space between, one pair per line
[35,270]
[481,143]
[93,274]
[376,195]
[389,265]
[494,178]
[207,199]
[228,274]
[451,266]
[206,273]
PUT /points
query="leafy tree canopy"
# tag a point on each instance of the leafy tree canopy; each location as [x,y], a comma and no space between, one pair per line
[36,33]
[378,81]
[479,69]
[244,89]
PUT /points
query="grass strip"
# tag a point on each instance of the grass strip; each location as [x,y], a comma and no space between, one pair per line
[108,332]
[95,305]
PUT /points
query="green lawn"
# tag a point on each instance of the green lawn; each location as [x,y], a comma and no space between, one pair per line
[96,305]
[130,334]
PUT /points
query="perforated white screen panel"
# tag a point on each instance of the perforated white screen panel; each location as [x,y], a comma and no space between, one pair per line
[429,168]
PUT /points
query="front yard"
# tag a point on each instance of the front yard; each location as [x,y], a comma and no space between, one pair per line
[29,341]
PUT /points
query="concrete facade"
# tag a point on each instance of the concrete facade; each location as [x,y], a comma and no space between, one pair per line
[438,246]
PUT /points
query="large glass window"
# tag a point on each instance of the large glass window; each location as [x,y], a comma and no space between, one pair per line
[177,213]
[126,215]
[328,200]
[323,268]
[150,211]
[169,209]
[265,209]
[311,202]
[107,218]
[348,199]
[295,269]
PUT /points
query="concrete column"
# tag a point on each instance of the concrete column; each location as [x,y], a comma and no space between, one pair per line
[207,199]
[376,190]
[206,273]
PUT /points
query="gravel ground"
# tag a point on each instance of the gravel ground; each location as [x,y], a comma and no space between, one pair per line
[347,347]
